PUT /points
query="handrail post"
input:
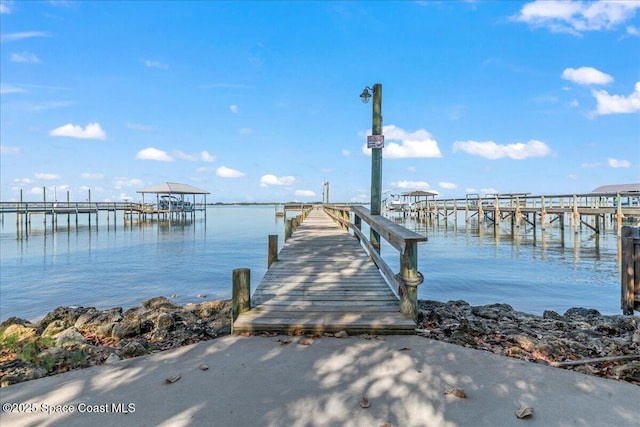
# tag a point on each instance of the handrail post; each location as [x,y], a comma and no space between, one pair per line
[287,229]
[272,255]
[410,277]
[357,222]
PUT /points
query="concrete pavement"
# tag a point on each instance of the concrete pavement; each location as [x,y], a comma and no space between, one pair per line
[257,381]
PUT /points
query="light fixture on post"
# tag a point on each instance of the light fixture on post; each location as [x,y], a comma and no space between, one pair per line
[375,142]
[365,95]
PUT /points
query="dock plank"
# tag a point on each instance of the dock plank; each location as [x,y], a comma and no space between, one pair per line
[323,281]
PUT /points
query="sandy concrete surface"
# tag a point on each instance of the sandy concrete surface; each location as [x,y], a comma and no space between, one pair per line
[258,381]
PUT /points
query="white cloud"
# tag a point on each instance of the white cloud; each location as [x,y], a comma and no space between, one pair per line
[206,157]
[152,153]
[360,198]
[226,172]
[491,150]
[91,131]
[25,57]
[305,193]
[36,191]
[586,165]
[233,108]
[121,182]
[44,106]
[23,35]
[46,176]
[576,17]
[401,144]
[155,64]
[7,88]
[615,163]
[423,185]
[4,149]
[633,31]
[586,76]
[346,153]
[617,104]
[88,175]
[269,179]
[447,185]
[203,156]
[4,9]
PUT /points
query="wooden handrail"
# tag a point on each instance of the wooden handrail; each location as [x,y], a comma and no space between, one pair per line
[405,283]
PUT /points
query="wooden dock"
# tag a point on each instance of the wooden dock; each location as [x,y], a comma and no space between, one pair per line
[322,282]
[590,210]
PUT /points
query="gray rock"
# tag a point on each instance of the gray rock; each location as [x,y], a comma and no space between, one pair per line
[164,321]
[132,349]
[126,328]
[54,328]
[578,312]
[493,311]
[68,315]
[17,371]
[550,314]
[15,321]
[52,356]
[159,302]
[94,318]
[105,330]
[112,358]
[70,338]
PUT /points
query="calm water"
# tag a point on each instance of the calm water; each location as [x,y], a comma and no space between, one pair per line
[108,266]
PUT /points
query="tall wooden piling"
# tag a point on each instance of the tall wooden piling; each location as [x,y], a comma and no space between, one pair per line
[272,254]
[241,292]
[630,274]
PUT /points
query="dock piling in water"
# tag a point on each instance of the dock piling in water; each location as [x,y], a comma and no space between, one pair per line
[241,292]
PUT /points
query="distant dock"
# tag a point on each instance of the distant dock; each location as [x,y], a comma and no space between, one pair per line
[591,210]
[72,211]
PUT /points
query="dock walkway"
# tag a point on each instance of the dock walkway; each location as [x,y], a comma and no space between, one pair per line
[323,281]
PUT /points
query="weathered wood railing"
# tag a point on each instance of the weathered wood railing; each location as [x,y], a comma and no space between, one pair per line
[630,274]
[405,283]
[290,224]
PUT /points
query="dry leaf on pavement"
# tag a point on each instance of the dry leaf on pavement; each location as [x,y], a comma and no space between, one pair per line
[173,379]
[524,412]
[364,402]
[457,392]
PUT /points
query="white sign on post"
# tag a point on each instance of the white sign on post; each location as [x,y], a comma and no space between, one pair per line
[375,141]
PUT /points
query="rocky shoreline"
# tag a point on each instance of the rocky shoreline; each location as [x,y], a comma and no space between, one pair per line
[581,339]
[77,337]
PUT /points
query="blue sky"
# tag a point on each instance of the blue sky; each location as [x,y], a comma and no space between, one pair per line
[259,101]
